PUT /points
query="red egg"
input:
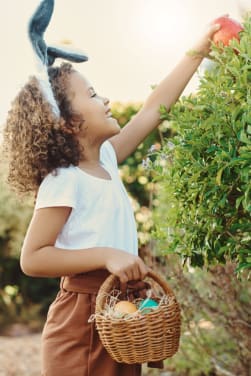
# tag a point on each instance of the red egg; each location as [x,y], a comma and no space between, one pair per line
[229,30]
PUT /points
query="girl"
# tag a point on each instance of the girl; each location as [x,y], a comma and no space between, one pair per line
[82,228]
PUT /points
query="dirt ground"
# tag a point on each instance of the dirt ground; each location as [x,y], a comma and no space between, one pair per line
[20,356]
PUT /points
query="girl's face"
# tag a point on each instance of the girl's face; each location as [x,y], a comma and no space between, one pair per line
[98,123]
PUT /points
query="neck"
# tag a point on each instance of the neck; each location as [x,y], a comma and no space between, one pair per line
[91,153]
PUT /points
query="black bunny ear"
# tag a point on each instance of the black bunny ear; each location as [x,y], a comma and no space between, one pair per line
[37,26]
[46,56]
[53,53]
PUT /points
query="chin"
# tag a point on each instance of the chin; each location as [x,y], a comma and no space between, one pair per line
[115,132]
[115,125]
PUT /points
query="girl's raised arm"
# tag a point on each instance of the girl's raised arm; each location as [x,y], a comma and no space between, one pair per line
[166,93]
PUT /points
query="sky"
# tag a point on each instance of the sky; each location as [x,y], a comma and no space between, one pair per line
[131,44]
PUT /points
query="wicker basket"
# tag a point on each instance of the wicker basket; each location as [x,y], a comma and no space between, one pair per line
[145,338]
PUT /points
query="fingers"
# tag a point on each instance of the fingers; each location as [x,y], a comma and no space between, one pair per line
[140,271]
[135,271]
[212,29]
[123,287]
[125,266]
[123,277]
[214,26]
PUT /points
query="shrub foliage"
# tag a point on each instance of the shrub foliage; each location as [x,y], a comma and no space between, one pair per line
[204,169]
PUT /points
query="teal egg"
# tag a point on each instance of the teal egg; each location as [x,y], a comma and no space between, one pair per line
[147,305]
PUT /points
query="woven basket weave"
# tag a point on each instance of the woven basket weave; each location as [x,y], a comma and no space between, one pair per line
[144,338]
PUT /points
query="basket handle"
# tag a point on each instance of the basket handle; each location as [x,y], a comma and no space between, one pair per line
[112,280]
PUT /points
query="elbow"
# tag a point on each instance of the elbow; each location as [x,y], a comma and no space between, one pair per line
[33,266]
[28,267]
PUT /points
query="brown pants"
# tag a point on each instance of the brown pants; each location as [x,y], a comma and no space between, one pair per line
[71,345]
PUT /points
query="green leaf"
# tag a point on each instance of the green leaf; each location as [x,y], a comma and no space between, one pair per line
[219,175]
[242,136]
[249,129]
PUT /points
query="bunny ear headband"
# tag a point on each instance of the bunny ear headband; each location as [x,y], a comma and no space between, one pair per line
[47,55]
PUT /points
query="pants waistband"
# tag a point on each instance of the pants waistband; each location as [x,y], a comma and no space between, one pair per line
[85,283]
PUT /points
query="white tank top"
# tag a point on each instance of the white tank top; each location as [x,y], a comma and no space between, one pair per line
[101,215]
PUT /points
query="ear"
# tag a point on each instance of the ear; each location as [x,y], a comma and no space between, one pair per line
[37,26]
[72,56]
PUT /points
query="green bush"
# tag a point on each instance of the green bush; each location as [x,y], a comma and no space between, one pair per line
[204,169]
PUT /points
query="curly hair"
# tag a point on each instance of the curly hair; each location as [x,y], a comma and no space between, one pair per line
[35,142]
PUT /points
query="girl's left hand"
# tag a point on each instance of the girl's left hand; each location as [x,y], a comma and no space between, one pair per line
[202,48]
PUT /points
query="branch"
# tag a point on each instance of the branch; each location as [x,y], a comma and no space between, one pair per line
[222,371]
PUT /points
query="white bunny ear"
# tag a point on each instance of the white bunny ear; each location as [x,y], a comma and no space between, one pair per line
[43,79]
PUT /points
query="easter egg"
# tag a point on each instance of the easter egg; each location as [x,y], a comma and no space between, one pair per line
[230,29]
[147,305]
[125,307]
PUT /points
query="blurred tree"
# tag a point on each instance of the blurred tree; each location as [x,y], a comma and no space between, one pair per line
[15,216]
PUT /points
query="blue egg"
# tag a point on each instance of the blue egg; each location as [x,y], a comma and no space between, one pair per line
[147,305]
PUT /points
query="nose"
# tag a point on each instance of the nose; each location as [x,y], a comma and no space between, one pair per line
[106,100]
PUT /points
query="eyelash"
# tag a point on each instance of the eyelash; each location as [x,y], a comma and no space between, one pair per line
[93,95]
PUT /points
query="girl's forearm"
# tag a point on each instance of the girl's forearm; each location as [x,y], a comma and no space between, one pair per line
[50,261]
[148,118]
[170,88]
[55,262]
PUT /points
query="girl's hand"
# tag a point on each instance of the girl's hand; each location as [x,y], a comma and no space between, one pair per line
[202,48]
[125,266]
